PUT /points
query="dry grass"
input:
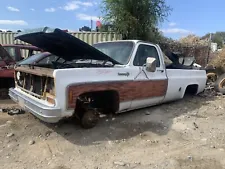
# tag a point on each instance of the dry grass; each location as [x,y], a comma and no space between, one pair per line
[218,60]
[193,40]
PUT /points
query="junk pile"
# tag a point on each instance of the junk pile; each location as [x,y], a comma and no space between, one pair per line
[216,71]
[196,50]
[188,47]
[12,111]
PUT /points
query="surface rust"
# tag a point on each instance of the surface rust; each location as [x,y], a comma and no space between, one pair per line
[132,90]
[36,71]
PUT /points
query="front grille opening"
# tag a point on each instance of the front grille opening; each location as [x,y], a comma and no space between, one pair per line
[35,85]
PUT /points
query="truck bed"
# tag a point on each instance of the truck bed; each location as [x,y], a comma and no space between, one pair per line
[178,79]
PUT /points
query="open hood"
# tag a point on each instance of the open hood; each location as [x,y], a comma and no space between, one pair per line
[4,55]
[60,43]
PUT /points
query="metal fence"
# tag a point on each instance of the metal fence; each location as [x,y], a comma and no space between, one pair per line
[88,37]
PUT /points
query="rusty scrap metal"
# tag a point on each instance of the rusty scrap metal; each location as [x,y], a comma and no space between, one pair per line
[12,111]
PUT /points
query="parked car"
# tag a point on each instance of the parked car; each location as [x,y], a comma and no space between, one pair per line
[9,55]
[21,51]
[6,73]
[108,77]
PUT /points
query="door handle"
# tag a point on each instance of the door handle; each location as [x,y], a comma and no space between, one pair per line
[123,73]
[160,71]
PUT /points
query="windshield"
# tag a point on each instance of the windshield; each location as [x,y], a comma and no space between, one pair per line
[119,51]
[31,59]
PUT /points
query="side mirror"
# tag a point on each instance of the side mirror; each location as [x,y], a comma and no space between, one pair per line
[151,64]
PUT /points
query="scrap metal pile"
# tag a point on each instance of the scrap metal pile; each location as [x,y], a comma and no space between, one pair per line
[196,49]
[216,71]
[213,63]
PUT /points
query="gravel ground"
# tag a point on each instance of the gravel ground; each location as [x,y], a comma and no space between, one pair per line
[186,134]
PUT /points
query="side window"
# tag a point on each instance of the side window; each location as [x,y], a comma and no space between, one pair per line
[11,51]
[143,52]
[35,52]
[24,53]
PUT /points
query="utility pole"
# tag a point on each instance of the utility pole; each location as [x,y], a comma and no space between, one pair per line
[91,24]
[209,48]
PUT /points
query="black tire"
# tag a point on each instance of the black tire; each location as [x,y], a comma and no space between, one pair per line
[220,84]
[89,119]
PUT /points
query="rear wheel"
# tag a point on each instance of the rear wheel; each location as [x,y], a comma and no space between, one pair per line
[220,84]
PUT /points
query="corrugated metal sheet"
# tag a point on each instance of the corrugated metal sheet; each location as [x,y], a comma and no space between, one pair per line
[88,37]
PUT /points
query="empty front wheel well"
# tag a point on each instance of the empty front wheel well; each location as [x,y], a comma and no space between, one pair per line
[105,101]
[191,89]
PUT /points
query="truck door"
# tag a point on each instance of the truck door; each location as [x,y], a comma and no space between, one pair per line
[151,86]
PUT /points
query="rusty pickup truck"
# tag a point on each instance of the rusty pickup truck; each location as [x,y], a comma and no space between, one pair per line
[84,81]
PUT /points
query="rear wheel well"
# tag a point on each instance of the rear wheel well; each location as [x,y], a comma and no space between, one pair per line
[191,89]
[104,101]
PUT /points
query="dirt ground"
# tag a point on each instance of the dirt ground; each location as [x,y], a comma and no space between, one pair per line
[186,134]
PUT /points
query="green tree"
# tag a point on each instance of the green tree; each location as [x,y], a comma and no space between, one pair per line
[136,19]
[218,39]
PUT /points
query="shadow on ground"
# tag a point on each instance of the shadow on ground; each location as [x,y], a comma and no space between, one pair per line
[158,120]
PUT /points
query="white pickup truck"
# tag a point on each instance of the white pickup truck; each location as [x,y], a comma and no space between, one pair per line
[83,81]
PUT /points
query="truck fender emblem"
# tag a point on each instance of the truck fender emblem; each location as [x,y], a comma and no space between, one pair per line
[124,74]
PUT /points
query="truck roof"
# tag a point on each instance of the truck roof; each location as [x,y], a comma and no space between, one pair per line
[131,40]
[22,46]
